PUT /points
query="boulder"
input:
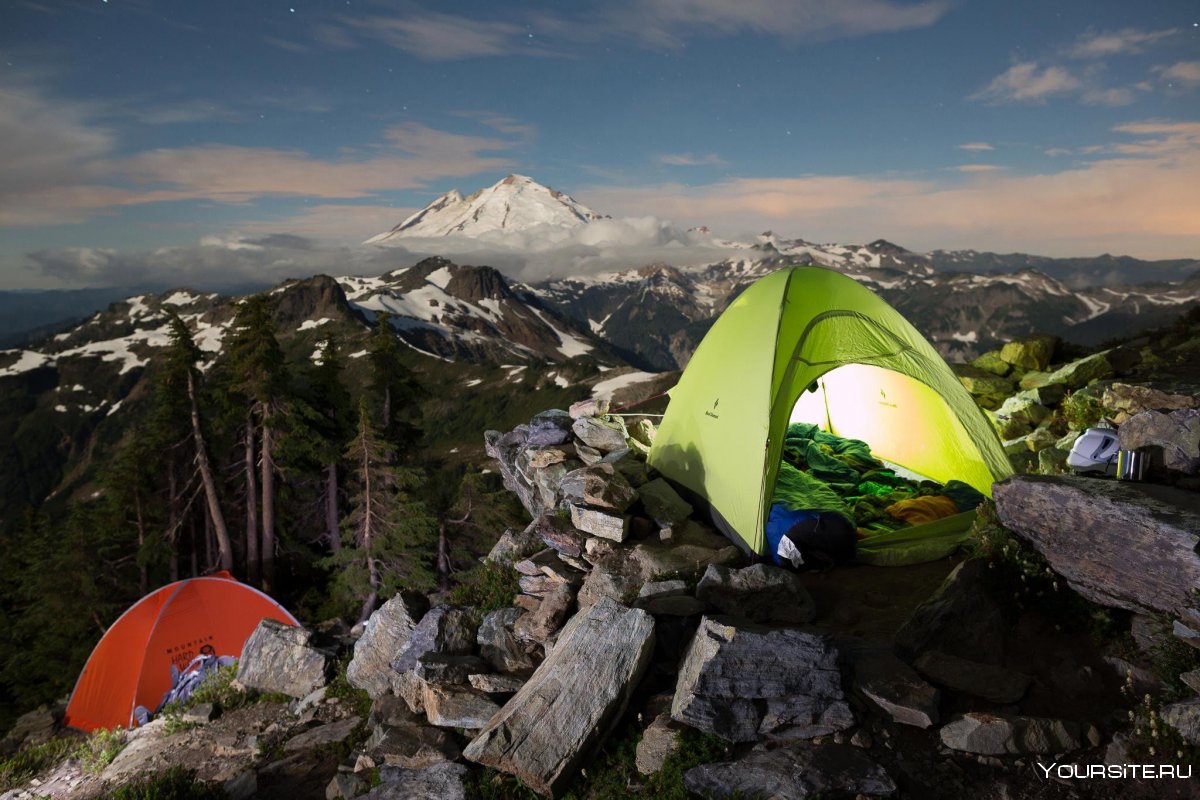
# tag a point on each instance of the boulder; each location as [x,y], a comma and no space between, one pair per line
[614,527]
[1032,353]
[893,686]
[663,503]
[599,486]
[601,433]
[981,382]
[643,431]
[490,683]
[545,733]
[1000,734]
[592,407]
[323,735]
[760,593]
[1130,399]
[444,629]
[558,533]
[588,455]
[442,781]
[960,618]
[1052,461]
[280,658]
[1074,375]
[514,545]
[659,742]
[1184,717]
[550,615]
[1050,395]
[505,447]
[794,771]
[500,647]
[990,682]
[993,363]
[629,464]
[657,590]
[1128,545]
[32,728]
[741,681]
[387,631]
[412,745]
[1173,438]
[543,457]
[549,428]
[441,669]
[602,583]
[653,561]
[455,707]
[1022,409]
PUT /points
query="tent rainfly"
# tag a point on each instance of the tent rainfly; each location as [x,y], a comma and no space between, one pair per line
[808,344]
[131,665]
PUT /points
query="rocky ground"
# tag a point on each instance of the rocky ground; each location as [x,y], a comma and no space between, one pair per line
[619,647]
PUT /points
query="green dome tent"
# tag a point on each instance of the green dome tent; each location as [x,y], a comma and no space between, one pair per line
[873,377]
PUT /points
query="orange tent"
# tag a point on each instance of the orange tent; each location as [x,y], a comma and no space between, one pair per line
[131,665]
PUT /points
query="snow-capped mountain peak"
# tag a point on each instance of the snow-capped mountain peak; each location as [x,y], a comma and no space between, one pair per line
[516,203]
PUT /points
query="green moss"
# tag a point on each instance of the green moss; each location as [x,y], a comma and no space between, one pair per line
[176,783]
[1082,410]
[1170,657]
[488,587]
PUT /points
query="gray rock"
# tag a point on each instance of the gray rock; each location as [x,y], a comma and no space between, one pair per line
[545,456]
[444,629]
[614,527]
[592,407]
[279,658]
[731,672]
[544,734]
[387,631]
[601,583]
[438,782]
[1191,679]
[345,785]
[599,486]
[322,735]
[1130,399]
[1128,545]
[540,625]
[1184,717]
[1074,375]
[960,618]
[760,593]
[653,561]
[629,464]
[604,434]
[659,742]
[33,728]
[202,713]
[981,680]
[663,503]
[659,589]
[1032,353]
[505,447]
[643,431]
[544,485]
[795,771]
[448,670]
[549,428]
[454,707]
[490,683]
[894,686]
[513,545]
[534,564]
[1173,438]
[411,745]
[559,534]
[1022,409]
[500,646]
[588,455]
[1000,734]
[676,606]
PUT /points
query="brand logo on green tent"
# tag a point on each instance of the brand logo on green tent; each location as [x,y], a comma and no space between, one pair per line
[713,411]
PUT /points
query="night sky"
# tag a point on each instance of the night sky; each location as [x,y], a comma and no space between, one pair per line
[132,127]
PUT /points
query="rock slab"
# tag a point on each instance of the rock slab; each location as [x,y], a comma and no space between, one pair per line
[796,771]
[760,593]
[546,731]
[279,658]
[387,631]
[1001,734]
[741,681]
[1128,545]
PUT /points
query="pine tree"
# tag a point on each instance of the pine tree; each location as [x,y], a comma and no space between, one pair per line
[389,539]
[259,373]
[394,389]
[332,401]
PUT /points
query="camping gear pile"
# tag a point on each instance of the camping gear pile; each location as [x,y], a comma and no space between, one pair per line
[835,489]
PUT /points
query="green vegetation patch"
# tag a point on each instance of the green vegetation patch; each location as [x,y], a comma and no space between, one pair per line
[18,769]
[176,783]
[487,587]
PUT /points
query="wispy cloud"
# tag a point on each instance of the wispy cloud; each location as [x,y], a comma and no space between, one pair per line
[1094,45]
[439,36]
[1025,81]
[977,168]
[691,160]
[1186,73]
[1113,96]
[57,166]
[976,146]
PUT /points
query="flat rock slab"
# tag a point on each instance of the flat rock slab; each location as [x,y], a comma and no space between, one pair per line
[895,687]
[452,707]
[970,677]
[438,782]
[796,771]
[741,681]
[329,733]
[1001,734]
[545,733]
[1128,545]
[279,658]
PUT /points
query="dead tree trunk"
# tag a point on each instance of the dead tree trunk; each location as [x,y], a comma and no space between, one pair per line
[268,507]
[253,564]
[331,508]
[224,552]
